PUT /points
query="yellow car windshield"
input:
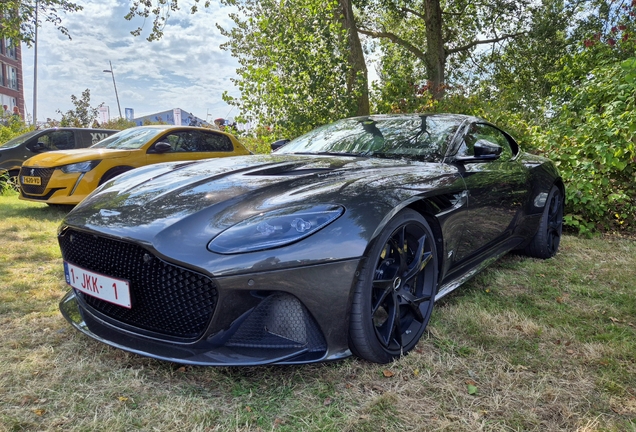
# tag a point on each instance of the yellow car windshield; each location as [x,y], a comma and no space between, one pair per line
[129,139]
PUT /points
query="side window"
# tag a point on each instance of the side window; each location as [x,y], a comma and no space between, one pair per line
[211,142]
[59,140]
[174,139]
[479,131]
[196,141]
[179,141]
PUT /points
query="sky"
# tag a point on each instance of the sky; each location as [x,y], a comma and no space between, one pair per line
[185,69]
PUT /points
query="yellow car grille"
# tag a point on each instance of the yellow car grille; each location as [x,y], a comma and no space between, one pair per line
[44,174]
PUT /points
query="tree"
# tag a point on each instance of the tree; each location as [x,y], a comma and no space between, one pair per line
[433,33]
[518,75]
[357,80]
[83,115]
[301,63]
[18,17]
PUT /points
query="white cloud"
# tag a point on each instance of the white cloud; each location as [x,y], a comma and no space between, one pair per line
[185,69]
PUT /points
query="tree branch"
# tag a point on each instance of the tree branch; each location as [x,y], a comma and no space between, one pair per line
[481,42]
[456,13]
[411,11]
[395,39]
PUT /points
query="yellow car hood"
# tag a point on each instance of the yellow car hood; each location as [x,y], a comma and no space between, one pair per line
[65,157]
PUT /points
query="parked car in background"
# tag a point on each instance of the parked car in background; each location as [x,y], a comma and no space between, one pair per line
[14,152]
[340,242]
[66,177]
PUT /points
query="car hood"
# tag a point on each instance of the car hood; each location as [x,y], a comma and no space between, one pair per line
[185,205]
[64,157]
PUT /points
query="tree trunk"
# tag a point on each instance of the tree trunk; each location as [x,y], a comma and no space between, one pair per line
[358,80]
[435,54]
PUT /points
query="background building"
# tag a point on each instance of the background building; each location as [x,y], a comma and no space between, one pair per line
[11,86]
[175,116]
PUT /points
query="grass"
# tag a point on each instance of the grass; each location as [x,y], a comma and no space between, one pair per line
[527,345]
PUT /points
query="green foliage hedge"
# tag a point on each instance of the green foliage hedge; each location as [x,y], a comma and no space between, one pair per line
[592,139]
[11,128]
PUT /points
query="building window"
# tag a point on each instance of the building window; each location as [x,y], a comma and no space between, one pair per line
[12,77]
[9,48]
[7,103]
[1,74]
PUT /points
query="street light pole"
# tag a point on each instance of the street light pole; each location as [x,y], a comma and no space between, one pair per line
[114,85]
[35,69]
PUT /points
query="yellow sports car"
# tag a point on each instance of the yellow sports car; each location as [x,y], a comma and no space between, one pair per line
[66,177]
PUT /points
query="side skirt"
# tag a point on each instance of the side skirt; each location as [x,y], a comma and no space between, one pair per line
[473,268]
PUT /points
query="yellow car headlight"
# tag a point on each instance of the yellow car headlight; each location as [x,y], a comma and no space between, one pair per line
[80,167]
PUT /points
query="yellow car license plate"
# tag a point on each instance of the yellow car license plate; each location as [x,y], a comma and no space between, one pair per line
[27,180]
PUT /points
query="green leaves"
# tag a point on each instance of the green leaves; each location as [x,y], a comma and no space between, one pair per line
[592,139]
[83,115]
[294,58]
[18,17]
[11,126]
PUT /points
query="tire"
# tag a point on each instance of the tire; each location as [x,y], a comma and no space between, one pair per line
[545,242]
[394,294]
[112,173]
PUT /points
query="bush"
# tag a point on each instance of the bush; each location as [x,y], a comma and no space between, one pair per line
[12,128]
[118,123]
[256,145]
[592,139]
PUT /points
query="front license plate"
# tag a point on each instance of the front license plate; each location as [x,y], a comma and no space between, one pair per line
[28,180]
[105,288]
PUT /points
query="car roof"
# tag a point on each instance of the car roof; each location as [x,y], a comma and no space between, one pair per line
[181,127]
[75,129]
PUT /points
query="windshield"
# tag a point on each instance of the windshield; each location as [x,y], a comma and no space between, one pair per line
[422,137]
[18,140]
[129,139]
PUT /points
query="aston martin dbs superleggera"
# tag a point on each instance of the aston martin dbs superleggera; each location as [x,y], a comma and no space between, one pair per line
[339,242]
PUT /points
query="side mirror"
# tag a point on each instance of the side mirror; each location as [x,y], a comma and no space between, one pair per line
[278,144]
[36,147]
[162,147]
[485,148]
[484,151]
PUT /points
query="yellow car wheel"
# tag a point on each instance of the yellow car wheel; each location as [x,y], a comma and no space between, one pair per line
[112,173]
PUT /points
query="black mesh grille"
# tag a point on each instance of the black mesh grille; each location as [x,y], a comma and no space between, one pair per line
[44,173]
[279,321]
[165,298]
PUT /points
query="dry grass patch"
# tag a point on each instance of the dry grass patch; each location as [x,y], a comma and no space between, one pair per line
[527,345]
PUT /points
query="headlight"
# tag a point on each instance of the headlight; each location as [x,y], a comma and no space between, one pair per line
[274,229]
[80,167]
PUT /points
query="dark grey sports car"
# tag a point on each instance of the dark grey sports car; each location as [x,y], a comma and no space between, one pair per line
[340,242]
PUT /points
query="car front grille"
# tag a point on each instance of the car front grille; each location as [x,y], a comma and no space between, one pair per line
[44,173]
[166,299]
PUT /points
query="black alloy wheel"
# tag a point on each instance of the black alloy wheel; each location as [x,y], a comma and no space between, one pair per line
[545,242]
[396,289]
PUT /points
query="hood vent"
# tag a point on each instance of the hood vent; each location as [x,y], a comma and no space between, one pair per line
[298,169]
